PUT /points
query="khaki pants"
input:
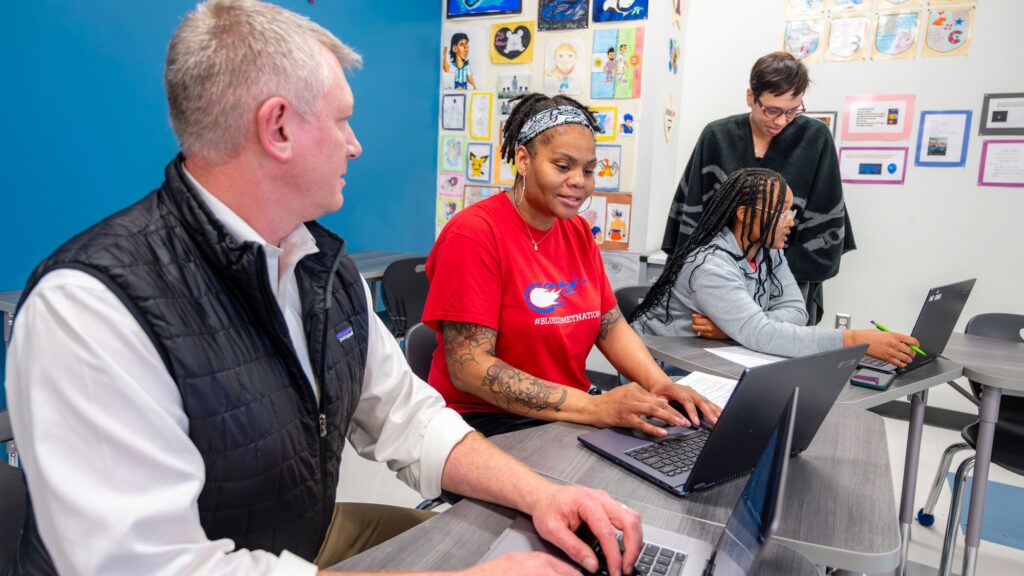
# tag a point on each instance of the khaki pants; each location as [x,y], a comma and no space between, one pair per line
[357,527]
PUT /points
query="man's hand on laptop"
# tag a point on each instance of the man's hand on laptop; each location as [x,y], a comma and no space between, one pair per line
[560,512]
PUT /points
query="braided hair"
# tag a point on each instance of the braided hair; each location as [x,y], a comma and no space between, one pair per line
[750,187]
[527,106]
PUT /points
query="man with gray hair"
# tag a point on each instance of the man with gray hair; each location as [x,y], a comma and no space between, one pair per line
[183,375]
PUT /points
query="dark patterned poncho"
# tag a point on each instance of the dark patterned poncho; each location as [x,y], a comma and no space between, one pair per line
[806,156]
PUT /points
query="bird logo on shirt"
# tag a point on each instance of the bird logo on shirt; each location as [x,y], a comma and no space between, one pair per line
[544,297]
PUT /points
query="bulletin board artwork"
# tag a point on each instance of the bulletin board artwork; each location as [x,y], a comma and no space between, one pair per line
[563,72]
[948,32]
[847,39]
[447,208]
[478,165]
[512,83]
[461,53]
[617,63]
[609,167]
[608,214]
[607,120]
[563,14]
[460,8]
[895,35]
[475,193]
[619,10]
[453,112]
[452,152]
[512,42]
[804,39]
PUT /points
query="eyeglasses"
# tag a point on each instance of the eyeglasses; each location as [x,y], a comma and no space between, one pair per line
[789,215]
[773,112]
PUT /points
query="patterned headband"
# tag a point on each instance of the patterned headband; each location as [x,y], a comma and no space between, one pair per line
[549,118]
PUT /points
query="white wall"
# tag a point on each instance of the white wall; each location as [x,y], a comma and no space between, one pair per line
[940,226]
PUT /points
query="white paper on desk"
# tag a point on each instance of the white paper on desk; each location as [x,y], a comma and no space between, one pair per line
[744,356]
[714,388]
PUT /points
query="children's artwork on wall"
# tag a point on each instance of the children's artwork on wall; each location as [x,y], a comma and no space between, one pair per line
[803,7]
[628,121]
[453,153]
[900,3]
[511,83]
[673,55]
[447,208]
[512,42]
[461,53]
[803,39]
[618,223]
[475,193]
[895,35]
[848,5]
[607,119]
[669,118]
[506,172]
[450,184]
[617,63]
[942,138]
[562,14]
[677,14]
[847,38]
[948,32]
[563,73]
[458,8]
[478,167]
[453,112]
[619,10]
[594,213]
[609,166]
[828,118]
[481,105]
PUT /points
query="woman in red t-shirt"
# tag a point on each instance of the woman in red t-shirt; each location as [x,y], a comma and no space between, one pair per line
[519,295]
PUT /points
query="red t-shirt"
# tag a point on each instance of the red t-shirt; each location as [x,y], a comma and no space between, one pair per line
[545,305]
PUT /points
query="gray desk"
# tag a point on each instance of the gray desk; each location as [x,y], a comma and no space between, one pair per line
[839,512]
[998,365]
[460,537]
[691,354]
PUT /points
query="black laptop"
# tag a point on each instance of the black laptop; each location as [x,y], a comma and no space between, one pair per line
[935,323]
[753,520]
[693,459]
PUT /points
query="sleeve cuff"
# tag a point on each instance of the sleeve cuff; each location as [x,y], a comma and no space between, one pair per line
[289,564]
[446,429]
[831,340]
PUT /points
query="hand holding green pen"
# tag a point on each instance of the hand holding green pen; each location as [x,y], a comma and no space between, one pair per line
[911,346]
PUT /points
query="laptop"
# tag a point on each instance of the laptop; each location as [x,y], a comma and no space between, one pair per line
[753,520]
[688,460]
[935,323]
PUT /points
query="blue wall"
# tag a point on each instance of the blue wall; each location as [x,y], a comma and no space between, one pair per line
[87,130]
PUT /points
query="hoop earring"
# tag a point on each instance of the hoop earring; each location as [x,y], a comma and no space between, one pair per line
[589,202]
[521,196]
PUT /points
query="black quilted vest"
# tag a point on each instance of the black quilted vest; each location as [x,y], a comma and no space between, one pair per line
[272,452]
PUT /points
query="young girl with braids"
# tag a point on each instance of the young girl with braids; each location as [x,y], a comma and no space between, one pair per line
[519,295]
[731,280]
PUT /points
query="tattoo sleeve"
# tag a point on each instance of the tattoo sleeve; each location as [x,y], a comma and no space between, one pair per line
[510,388]
[609,318]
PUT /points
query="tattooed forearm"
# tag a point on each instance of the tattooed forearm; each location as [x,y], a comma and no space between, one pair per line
[514,388]
[462,340]
[610,318]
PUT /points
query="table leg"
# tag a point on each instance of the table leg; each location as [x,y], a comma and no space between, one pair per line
[990,397]
[917,404]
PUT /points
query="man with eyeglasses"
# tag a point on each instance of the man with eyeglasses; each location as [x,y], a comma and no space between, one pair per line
[774,135]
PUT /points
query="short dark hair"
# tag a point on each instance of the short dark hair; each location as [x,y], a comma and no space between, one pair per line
[778,73]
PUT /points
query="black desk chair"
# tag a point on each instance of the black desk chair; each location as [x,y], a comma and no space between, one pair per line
[13,498]
[1007,445]
[420,343]
[629,298]
[404,290]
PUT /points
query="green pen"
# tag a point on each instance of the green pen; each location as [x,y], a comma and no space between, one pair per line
[911,346]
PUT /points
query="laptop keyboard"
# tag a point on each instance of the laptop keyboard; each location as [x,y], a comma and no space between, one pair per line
[881,365]
[671,456]
[654,560]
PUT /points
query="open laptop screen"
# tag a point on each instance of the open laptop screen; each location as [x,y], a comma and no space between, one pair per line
[753,518]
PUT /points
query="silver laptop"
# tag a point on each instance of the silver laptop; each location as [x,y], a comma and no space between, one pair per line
[935,323]
[668,553]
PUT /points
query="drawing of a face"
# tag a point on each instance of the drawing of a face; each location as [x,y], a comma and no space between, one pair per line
[454,151]
[565,58]
[462,49]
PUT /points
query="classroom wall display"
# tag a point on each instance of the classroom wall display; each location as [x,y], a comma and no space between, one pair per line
[669,117]
[828,118]
[512,42]
[878,117]
[461,53]
[506,171]
[673,55]
[803,7]
[873,165]
[629,120]
[608,119]
[895,35]
[616,236]
[447,208]
[563,71]
[478,162]
[849,6]
[677,14]
[609,167]
[616,68]
[803,39]
[512,83]
[481,106]
[619,10]
[459,8]
[942,138]
[451,184]
[899,3]
[563,14]
[1002,163]
[476,193]
[594,212]
[452,152]
[1003,114]
[948,32]
[453,112]
[847,39]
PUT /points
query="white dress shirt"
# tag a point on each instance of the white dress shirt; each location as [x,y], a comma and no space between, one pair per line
[113,474]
